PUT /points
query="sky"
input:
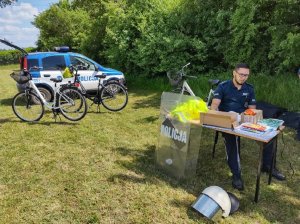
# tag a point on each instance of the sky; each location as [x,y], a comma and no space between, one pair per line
[15,22]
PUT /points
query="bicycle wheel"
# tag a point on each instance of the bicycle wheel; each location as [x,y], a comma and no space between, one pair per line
[28,107]
[114,96]
[72,104]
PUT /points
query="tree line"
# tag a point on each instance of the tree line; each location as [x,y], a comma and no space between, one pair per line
[12,56]
[153,36]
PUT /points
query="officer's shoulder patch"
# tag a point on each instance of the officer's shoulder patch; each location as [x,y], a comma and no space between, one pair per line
[224,82]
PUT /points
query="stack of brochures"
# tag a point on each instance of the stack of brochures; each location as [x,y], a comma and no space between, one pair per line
[258,131]
[272,123]
[263,127]
[253,128]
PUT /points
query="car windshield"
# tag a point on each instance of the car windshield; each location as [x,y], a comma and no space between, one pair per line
[78,61]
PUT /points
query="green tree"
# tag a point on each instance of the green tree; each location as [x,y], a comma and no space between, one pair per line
[285,33]
[208,21]
[144,37]
[93,46]
[62,25]
[265,34]
[152,36]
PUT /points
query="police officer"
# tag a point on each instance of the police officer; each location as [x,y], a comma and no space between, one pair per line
[237,95]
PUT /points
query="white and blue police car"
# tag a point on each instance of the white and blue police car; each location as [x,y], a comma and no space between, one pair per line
[46,65]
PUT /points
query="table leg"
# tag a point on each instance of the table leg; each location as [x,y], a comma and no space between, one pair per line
[215,143]
[259,171]
[274,152]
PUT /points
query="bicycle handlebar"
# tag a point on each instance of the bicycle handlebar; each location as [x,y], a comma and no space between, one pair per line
[181,74]
[189,76]
[185,65]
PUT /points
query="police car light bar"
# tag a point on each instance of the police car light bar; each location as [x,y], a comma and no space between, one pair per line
[62,49]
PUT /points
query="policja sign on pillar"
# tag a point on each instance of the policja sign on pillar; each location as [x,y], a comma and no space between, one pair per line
[179,142]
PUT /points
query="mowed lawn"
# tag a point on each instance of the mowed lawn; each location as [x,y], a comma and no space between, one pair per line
[102,169]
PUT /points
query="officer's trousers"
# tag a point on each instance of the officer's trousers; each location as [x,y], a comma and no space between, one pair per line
[233,156]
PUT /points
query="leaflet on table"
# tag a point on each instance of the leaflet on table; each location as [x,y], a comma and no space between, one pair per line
[271,122]
[265,136]
[255,130]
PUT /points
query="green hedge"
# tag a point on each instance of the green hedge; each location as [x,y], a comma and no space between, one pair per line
[153,36]
[11,56]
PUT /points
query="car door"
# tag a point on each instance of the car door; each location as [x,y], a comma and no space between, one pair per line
[52,67]
[87,71]
[33,67]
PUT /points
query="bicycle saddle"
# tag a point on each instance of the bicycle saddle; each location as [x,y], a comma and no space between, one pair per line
[56,79]
[101,76]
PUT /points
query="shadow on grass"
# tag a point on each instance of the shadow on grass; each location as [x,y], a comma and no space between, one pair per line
[6,102]
[126,178]
[192,214]
[150,99]
[48,123]
[149,119]
[5,120]
[144,163]
[101,112]
[273,204]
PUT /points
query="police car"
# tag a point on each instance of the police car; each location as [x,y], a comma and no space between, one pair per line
[46,65]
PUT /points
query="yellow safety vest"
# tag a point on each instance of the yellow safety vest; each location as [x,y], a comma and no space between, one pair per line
[189,110]
[67,73]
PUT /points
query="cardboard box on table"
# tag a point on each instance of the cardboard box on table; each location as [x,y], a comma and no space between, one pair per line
[178,143]
[219,119]
[228,119]
[252,118]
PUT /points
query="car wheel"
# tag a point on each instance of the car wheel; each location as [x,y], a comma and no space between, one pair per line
[45,93]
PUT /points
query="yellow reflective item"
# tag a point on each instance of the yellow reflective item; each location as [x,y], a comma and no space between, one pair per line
[189,110]
[67,73]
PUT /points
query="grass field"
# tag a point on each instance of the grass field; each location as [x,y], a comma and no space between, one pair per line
[102,169]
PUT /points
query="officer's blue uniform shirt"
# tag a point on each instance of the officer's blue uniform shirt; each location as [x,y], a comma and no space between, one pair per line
[233,99]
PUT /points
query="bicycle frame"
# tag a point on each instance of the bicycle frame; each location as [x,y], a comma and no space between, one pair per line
[36,90]
[184,87]
[49,105]
[95,98]
[187,88]
[85,93]
[210,97]
[105,94]
[30,105]
[214,83]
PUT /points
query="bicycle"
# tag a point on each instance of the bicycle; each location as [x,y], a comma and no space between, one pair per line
[29,105]
[213,84]
[178,80]
[112,95]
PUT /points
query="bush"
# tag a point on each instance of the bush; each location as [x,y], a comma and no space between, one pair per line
[11,56]
[152,36]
